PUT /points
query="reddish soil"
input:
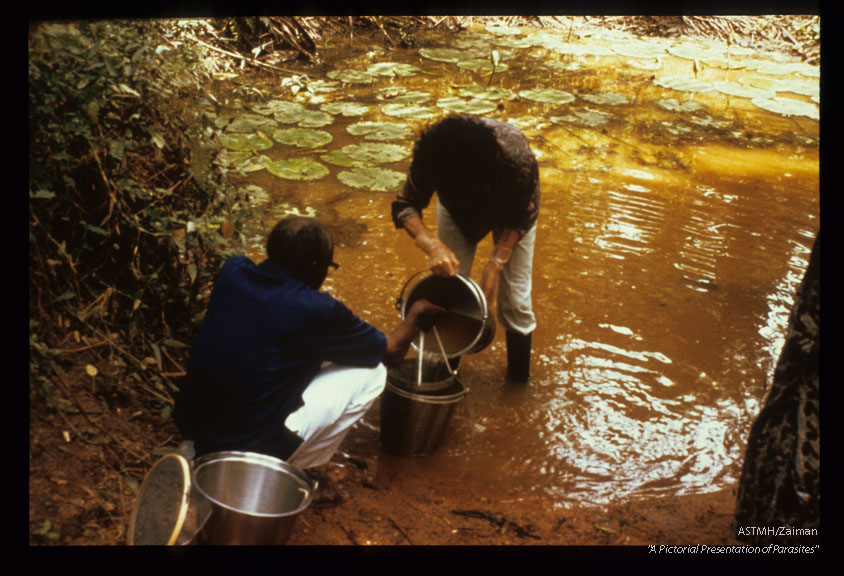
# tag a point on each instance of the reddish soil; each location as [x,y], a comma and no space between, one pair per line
[85,471]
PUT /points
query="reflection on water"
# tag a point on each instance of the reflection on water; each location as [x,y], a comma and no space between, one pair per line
[675,226]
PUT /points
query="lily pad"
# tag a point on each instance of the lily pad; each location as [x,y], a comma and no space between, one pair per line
[274,107]
[242,161]
[606,99]
[315,119]
[697,52]
[482,66]
[473,106]
[256,141]
[548,95]
[380,131]
[302,137]
[411,111]
[413,97]
[785,68]
[351,76]
[588,118]
[646,50]
[249,123]
[370,153]
[788,107]
[345,108]
[484,92]
[298,169]
[654,64]
[684,84]
[395,69]
[447,54]
[672,105]
[742,91]
[375,179]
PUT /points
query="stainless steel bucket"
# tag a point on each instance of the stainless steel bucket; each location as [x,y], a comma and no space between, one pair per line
[468,326]
[414,422]
[254,498]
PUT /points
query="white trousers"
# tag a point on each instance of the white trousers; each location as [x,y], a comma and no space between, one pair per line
[336,398]
[515,311]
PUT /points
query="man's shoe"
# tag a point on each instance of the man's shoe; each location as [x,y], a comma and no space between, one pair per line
[327,493]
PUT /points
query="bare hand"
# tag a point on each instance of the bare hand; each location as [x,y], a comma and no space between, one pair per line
[443,261]
[425,313]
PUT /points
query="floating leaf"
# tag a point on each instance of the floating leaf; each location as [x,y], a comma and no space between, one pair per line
[474,106]
[446,54]
[380,130]
[654,64]
[646,50]
[606,99]
[484,92]
[589,118]
[250,123]
[242,160]
[697,52]
[298,169]
[282,107]
[481,66]
[409,111]
[684,84]
[340,158]
[672,105]
[351,76]
[414,97]
[345,108]
[370,153]
[302,137]
[315,119]
[735,89]
[369,178]
[393,69]
[257,141]
[549,95]
[788,107]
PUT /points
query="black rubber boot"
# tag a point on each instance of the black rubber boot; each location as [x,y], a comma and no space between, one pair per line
[518,356]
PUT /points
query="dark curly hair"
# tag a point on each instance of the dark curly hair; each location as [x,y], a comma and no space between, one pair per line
[303,246]
[463,148]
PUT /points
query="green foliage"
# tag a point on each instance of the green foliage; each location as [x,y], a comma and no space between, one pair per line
[124,204]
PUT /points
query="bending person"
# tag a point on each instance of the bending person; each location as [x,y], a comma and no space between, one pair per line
[487,181]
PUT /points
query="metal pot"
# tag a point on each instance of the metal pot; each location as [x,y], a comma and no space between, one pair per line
[468,326]
[413,422]
[223,498]
[254,498]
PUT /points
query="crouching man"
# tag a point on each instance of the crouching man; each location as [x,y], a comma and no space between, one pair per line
[279,367]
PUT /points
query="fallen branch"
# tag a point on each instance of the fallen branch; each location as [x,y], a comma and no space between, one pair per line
[246,59]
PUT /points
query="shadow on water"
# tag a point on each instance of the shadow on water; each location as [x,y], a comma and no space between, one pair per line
[679,205]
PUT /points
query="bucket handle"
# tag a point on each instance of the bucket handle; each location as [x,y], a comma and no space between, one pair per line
[400,299]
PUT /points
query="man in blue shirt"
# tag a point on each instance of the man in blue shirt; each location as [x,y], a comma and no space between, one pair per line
[279,367]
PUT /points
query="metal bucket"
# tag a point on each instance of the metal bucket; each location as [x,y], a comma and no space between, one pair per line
[254,498]
[468,326]
[413,421]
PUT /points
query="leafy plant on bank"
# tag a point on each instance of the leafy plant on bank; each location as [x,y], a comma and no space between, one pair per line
[126,210]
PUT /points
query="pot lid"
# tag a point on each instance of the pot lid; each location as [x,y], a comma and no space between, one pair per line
[162,505]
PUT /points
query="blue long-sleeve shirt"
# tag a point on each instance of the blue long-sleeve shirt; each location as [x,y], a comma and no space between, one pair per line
[263,339]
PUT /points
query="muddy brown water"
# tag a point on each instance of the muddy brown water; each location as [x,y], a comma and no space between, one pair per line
[671,239]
